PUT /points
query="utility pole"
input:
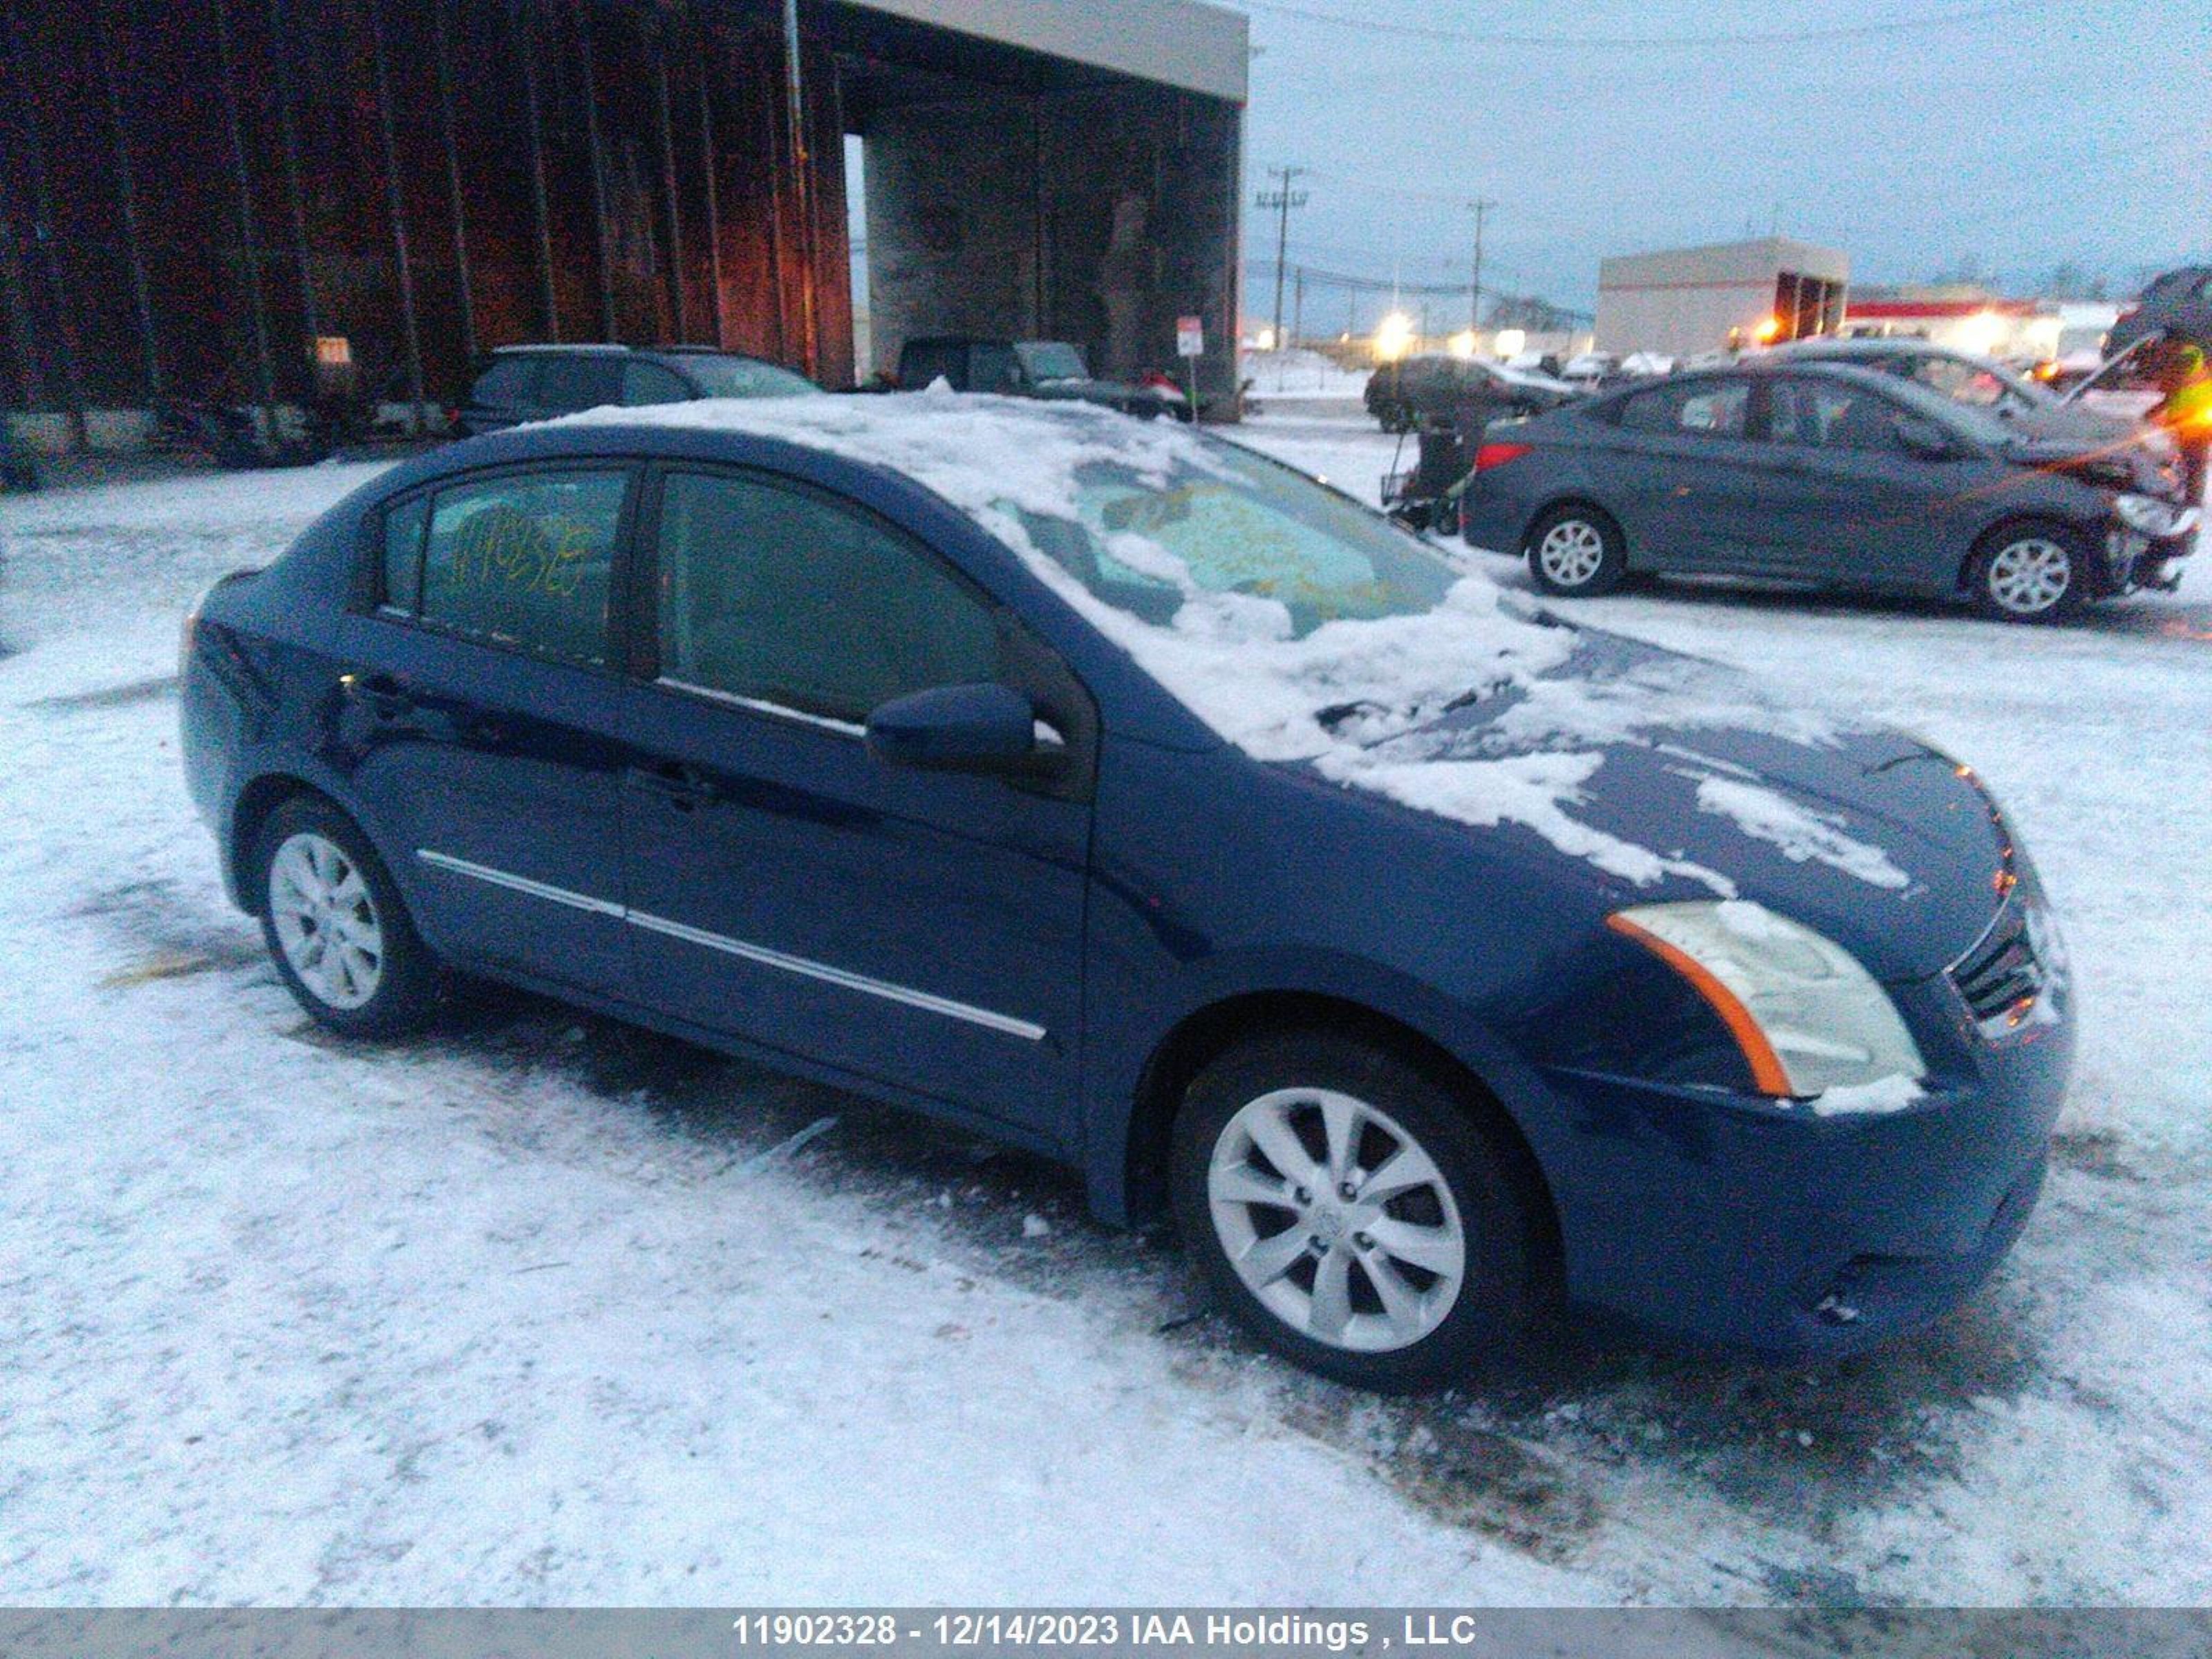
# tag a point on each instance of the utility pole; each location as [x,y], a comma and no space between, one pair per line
[1282,201]
[1480,208]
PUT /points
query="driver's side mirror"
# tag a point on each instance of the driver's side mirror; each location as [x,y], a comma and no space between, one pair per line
[987,728]
[1926,440]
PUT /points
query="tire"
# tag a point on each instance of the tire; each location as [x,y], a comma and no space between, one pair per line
[336,926]
[2031,572]
[1576,552]
[1273,1266]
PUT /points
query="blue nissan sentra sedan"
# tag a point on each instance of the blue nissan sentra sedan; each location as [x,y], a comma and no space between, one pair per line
[1107,788]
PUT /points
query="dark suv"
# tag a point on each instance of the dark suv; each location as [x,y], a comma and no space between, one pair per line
[517,384]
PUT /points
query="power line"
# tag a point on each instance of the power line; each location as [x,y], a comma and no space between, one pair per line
[1640,42]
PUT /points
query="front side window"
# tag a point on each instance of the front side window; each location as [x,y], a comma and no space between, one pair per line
[777,595]
[582,381]
[1818,415]
[1703,409]
[747,377]
[644,384]
[524,560]
[993,368]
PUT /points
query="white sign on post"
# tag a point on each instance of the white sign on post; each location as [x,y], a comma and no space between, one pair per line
[1191,337]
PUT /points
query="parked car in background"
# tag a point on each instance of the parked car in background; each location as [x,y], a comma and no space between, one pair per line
[1588,371]
[523,383]
[1827,475]
[2177,306]
[1118,793]
[1405,394]
[1977,381]
[1054,370]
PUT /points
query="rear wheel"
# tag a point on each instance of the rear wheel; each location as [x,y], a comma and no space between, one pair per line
[2031,572]
[335,925]
[1351,1212]
[1576,552]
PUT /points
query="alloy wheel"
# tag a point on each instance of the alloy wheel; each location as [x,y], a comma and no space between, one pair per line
[1336,1220]
[2029,577]
[1571,552]
[325,920]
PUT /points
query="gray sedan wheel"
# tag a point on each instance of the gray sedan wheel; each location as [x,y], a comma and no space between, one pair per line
[1576,552]
[2030,573]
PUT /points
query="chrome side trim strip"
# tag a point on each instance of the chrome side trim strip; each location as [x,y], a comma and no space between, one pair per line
[838,976]
[520,883]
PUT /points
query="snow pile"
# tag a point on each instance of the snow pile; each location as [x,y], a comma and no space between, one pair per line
[1233,659]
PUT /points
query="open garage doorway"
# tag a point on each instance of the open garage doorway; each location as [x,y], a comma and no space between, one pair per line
[1003,193]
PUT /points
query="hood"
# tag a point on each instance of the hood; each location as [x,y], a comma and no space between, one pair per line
[1877,840]
[2063,421]
[2107,454]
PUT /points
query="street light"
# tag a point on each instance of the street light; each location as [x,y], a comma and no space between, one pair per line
[1511,342]
[1462,343]
[1394,336]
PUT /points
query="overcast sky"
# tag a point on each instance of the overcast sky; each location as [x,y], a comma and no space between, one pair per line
[2012,136]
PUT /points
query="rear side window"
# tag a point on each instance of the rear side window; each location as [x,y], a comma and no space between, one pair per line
[784,596]
[579,382]
[523,561]
[508,380]
[1706,409]
[403,554]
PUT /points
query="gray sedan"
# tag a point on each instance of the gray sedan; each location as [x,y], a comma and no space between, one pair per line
[1828,475]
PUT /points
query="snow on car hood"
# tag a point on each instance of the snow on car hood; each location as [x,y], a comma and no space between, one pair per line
[1486,710]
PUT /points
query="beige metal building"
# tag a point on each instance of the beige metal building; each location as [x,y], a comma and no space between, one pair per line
[1686,301]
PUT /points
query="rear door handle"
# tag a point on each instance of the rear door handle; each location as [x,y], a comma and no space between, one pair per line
[682,787]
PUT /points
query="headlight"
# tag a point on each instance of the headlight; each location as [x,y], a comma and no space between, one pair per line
[2146,514]
[1808,1017]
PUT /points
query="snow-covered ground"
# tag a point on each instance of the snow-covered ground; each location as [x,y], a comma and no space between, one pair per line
[544,1308]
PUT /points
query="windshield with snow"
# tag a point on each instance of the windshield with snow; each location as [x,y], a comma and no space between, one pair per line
[1246,527]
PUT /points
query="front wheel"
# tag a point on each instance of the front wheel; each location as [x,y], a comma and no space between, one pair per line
[1576,552]
[1353,1214]
[335,925]
[2031,572]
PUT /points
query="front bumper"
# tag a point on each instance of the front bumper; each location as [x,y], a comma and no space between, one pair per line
[1722,1220]
[2134,559]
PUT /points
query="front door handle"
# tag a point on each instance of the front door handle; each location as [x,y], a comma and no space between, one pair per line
[682,786]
